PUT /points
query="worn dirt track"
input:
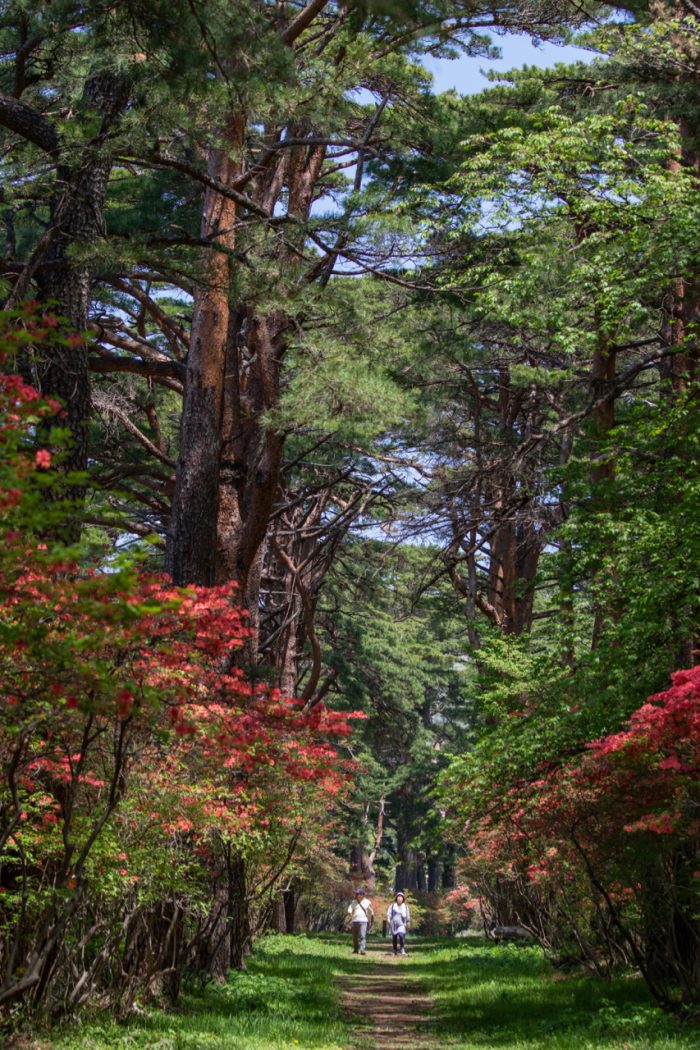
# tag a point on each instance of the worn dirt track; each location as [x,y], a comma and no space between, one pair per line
[387,1005]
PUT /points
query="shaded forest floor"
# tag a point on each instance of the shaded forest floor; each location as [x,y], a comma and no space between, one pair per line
[311,993]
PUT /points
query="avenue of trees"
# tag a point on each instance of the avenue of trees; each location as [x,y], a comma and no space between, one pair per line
[350,471]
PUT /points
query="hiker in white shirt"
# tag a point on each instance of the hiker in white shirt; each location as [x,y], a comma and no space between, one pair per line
[399,918]
[361,915]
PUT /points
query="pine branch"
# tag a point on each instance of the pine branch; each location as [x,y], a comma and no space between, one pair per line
[302,21]
[26,121]
[151,369]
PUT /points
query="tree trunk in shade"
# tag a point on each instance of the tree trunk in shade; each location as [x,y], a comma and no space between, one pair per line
[237,916]
[64,282]
[434,873]
[289,897]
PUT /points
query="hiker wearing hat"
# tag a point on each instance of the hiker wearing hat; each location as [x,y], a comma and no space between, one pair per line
[399,918]
[361,916]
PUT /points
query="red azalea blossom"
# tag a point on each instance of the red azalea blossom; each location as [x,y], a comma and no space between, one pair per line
[124,734]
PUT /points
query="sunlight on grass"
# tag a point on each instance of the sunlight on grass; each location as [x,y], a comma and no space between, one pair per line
[490,997]
[287,999]
[486,997]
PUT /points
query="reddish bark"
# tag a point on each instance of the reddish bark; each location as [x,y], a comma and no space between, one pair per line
[191,555]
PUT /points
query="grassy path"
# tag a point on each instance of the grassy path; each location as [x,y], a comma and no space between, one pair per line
[311,993]
[387,1005]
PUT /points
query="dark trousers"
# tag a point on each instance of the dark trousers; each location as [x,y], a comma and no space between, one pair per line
[398,940]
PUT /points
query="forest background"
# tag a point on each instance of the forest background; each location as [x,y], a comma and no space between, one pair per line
[349,484]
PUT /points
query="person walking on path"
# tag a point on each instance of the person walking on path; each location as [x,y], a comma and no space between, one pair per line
[361,916]
[399,917]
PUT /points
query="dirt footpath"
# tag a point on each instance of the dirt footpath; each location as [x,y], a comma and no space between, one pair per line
[386,1003]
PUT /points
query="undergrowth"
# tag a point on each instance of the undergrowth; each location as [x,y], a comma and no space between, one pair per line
[486,997]
[287,998]
[508,997]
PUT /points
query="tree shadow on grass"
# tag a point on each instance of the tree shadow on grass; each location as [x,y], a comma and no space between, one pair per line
[485,996]
[286,996]
[492,996]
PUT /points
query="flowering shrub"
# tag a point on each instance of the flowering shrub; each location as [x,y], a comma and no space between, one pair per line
[140,770]
[462,909]
[600,856]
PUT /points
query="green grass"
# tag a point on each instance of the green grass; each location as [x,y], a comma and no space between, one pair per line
[286,1000]
[491,997]
[486,997]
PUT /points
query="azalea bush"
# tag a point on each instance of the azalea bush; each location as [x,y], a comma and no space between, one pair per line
[151,798]
[461,909]
[599,857]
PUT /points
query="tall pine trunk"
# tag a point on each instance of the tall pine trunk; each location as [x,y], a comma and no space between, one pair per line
[191,550]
